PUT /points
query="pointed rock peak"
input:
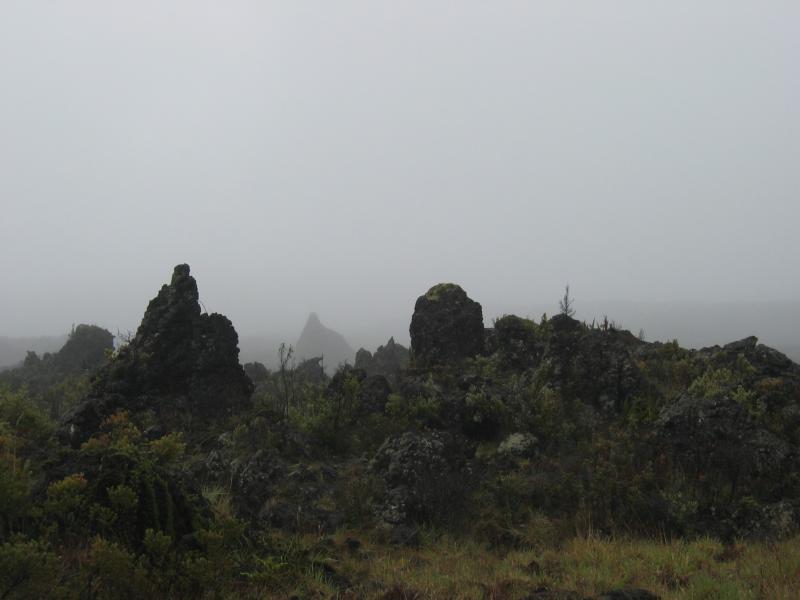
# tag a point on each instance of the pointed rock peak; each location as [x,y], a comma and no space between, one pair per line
[180,272]
[183,284]
[318,340]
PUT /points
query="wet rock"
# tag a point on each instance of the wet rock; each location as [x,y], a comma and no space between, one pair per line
[389,360]
[727,455]
[516,343]
[766,361]
[447,326]
[719,433]
[374,394]
[344,376]
[604,373]
[310,370]
[253,482]
[256,371]
[425,474]
[86,349]
[179,362]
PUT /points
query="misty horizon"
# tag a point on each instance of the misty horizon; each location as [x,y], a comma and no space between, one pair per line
[694,325]
[344,159]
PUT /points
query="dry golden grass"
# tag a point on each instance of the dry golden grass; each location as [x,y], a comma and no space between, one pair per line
[448,568]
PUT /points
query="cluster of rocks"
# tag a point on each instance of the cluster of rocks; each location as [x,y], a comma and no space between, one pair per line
[181,361]
[389,360]
[184,362]
[426,475]
[372,391]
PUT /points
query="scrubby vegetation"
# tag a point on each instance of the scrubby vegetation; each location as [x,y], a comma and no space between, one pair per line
[532,459]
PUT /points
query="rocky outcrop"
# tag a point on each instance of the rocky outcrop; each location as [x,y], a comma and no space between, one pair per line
[368,394]
[516,342]
[180,361]
[425,475]
[256,371]
[374,394]
[310,371]
[318,340]
[738,471]
[719,435]
[389,360]
[86,349]
[766,361]
[447,326]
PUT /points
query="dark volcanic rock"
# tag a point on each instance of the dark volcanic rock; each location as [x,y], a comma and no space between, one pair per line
[85,350]
[338,383]
[447,326]
[310,371]
[719,434]
[766,361]
[389,360]
[516,342]
[180,361]
[256,371]
[605,373]
[370,393]
[253,481]
[738,470]
[425,474]
[374,393]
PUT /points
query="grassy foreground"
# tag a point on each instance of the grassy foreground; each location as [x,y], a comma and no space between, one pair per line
[446,568]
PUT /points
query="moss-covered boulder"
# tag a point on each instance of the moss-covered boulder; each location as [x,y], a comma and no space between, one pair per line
[447,326]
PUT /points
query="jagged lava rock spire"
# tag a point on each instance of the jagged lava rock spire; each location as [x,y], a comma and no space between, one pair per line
[179,361]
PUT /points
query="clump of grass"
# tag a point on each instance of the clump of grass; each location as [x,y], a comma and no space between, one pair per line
[448,567]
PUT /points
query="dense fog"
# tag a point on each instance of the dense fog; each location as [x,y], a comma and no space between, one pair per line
[344,157]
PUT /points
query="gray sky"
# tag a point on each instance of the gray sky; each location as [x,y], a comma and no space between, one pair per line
[343,156]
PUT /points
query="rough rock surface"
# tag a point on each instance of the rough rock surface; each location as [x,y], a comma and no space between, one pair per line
[515,341]
[374,394]
[446,326]
[389,360]
[425,474]
[310,370]
[718,433]
[371,392]
[85,350]
[256,371]
[719,444]
[179,361]
[766,361]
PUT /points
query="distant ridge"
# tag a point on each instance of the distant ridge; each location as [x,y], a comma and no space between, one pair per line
[318,340]
[13,349]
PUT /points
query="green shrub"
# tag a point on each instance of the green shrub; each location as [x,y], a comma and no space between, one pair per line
[28,569]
